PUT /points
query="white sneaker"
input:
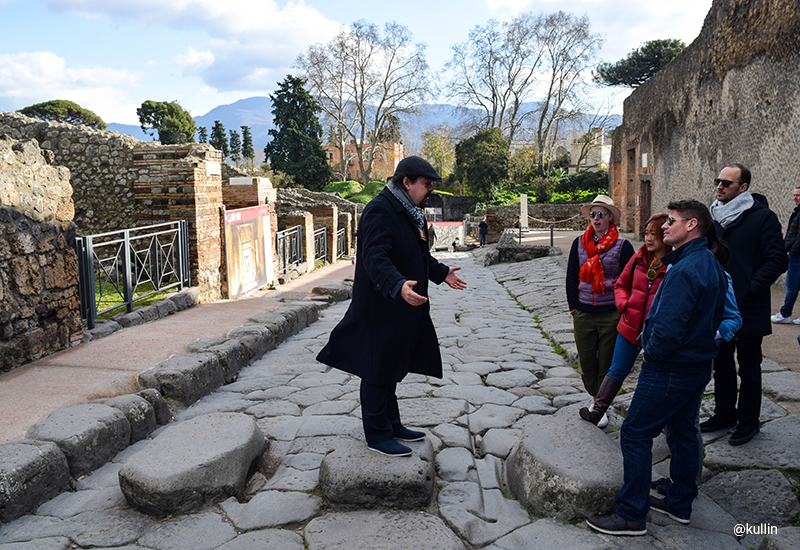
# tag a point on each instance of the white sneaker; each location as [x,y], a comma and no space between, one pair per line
[603,421]
[780,319]
[796,321]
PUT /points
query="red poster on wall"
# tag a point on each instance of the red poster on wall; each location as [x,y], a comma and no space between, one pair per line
[248,246]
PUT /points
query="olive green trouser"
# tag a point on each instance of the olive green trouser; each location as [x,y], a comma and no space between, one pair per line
[595,337]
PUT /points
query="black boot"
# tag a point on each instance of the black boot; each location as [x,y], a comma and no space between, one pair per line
[605,395]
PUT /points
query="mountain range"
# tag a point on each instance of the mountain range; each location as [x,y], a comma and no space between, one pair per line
[256,112]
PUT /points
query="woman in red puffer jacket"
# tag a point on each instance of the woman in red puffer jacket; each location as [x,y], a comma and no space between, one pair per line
[633,293]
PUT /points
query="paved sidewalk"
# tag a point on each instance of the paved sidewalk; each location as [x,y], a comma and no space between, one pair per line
[501,372]
[107,367]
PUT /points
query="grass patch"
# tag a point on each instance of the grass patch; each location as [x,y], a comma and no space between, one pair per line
[115,299]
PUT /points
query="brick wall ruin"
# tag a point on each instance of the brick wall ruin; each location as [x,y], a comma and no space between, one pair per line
[38,266]
[732,96]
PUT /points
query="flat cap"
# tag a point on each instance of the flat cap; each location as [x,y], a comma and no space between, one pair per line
[415,166]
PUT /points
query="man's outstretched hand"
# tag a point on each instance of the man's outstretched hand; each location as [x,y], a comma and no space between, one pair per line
[454,281]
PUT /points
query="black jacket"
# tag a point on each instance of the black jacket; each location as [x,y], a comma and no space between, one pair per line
[792,241]
[381,339]
[757,260]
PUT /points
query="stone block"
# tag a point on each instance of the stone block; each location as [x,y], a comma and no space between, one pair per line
[339,293]
[88,435]
[160,407]
[165,307]
[777,446]
[185,377]
[182,300]
[352,474]
[275,322]
[149,313]
[193,464]
[101,330]
[755,496]
[256,337]
[233,356]
[787,538]
[32,472]
[368,530]
[131,319]
[139,412]
[564,467]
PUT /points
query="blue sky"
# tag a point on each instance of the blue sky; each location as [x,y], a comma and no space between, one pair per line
[111,55]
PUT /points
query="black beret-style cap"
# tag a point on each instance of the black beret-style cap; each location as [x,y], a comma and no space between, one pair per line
[414,167]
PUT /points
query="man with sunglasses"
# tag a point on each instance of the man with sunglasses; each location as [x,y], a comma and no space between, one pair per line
[753,233]
[679,348]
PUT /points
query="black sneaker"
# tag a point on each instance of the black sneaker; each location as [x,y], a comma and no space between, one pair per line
[742,434]
[404,434]
[617,525]
[661,485]
[390,447]
[716,423]
[657,505]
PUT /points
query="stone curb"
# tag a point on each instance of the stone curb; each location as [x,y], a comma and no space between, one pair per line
[76,440]
[144,314]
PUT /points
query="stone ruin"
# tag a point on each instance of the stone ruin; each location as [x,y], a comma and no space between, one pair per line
[38,266]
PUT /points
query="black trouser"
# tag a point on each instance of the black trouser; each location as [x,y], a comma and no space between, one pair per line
[748,352]
[379,411]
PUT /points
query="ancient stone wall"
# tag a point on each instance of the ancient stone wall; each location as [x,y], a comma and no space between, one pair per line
[101,169]
[39,311]
[732,96]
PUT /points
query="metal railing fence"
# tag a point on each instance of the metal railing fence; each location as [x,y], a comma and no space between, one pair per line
[118,268]
[341,244]
[320,243]
[289,246]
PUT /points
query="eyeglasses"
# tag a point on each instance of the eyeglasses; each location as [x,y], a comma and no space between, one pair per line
[671,220]
[600,215]
[725,183]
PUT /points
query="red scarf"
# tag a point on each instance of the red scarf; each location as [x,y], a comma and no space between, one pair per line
[592,271]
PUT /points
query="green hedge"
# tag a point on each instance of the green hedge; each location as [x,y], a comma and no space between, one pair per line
[344,188]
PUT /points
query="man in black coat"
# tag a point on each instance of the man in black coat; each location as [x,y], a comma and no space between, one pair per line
[753,234]
[387,331]
[792,244]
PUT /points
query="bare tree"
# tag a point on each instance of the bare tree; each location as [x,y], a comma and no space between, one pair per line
[495,71]
[570,50]
[503,68]
[363,79]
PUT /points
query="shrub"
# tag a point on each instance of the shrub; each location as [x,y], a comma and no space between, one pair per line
[344,188]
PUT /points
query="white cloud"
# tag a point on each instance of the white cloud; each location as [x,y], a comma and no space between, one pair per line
[194,62]
[252,42]
[33,77]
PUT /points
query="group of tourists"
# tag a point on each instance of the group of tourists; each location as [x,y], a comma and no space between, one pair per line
[696,293]
[686,298]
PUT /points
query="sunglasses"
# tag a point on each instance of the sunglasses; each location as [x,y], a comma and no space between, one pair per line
[599,215]
[671,220]
[655,265]
[725,183]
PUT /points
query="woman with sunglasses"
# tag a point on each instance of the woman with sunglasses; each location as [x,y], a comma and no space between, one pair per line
[596,259]
[633,294]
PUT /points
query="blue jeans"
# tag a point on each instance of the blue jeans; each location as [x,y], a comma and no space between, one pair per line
[483,238]
[792,285]
[671,400]
[624,355]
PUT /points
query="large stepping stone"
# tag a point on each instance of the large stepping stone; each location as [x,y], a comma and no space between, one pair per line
[373,529]
[777,446]
[478,514]
[88,435]
[352,474]
[549,534]
[564,467]
[783,386]
[755,496]
[31,472]
[193,464]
